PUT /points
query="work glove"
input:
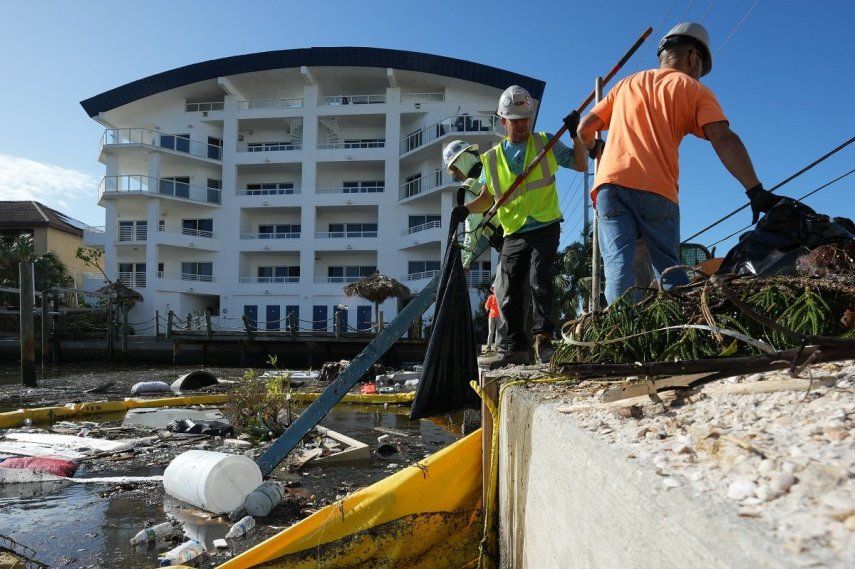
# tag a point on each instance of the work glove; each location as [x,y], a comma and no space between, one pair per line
[459,214]
[597,149]
[761,201]
[571,121]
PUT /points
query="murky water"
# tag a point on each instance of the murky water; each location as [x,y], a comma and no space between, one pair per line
[91,525]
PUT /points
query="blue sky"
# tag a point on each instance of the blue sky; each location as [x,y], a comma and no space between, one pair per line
[785,78]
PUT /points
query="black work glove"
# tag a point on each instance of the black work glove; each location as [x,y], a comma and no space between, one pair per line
[597,150]
[459,214]
[761,201]
[571,121]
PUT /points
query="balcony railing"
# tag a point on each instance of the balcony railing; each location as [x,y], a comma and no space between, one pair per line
[343,234]
[268,280]
[187,231]
[198,277]
[267,192]
[199,107]
[131,233]
[290,235]
[146,137]
[94,231]
[351,190]
[478,278]
[351,100]
[379,143]
[422,97]
[455,124]
[422,227]
[134,279]
[431,181]
[278,146]
[421,275]
[350,279]
[159,186]
[270,104]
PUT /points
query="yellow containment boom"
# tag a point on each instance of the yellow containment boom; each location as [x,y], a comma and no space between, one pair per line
[427,516]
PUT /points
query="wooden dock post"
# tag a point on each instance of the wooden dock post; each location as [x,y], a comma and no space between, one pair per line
[170,319]
[292,324]
[490,389]
[57,330]
[110,329]
[26,286]
[250,329]
[337,324]
[125,332]
[209,328]
[45,324]
[157,326]
[189,321]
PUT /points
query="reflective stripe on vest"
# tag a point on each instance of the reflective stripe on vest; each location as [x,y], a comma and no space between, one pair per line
[542,204]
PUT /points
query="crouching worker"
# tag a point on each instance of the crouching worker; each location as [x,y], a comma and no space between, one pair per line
[530,219]
[461,160]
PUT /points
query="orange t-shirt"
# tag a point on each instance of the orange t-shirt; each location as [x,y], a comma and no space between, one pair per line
[647,115]
[492,306]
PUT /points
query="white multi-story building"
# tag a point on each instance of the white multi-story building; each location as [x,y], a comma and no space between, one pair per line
[261,184]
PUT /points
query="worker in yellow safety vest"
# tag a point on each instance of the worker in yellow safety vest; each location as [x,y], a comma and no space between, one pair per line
[530,218]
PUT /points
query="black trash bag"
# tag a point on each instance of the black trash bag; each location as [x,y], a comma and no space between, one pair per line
[213,428]
[789,230]
[450,361]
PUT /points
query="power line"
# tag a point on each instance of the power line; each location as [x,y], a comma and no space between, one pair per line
[686,11]
[812,192]
[786,181]
[647,44]
[704,17]
[736,27]
[569,234]
[569,192]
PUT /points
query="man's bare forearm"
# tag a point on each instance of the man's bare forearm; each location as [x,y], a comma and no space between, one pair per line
[482,203]
[732,153]
[588,128]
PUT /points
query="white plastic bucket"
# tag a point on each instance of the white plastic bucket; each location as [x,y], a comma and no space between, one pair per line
[214,481]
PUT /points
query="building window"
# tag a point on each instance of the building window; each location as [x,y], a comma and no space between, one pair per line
[214,189]
[198,227]
[177,186]
[215,148]
[416,220]
[364,187]
[422,267]
[279,231]
[136,230]
[196,271]
[349,274]
[179,142]
[365,143]
[132,274]
[279,274]
[338,230]
[269,189]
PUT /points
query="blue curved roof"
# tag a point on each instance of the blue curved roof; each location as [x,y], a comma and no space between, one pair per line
[311,57]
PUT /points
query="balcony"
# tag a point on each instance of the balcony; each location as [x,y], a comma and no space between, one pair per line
[362,189]
[321,280]
[343,234]
[176,230]
[373,143]
[425,184]
[420,276]
[203,107]
[153,139]
[95,236]
[422,97]
[134,279]
[132,232]
[278,146]
[476,278]
[198,277]
[264,191]
[268,280]
[422,227]
[259,104]
[158,186]
[351,100]
[453,125]
[291,235]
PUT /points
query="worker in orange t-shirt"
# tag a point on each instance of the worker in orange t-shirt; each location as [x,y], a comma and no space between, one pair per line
[635,189]
[492,308]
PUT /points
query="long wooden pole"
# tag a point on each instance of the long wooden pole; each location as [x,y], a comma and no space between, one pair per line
[28,328]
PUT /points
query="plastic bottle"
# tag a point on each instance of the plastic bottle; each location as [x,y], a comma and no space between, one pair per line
[264,498]
[184,552]
[241,528]
[153,533]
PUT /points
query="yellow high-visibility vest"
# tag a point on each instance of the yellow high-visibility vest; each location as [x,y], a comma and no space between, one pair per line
[536,197]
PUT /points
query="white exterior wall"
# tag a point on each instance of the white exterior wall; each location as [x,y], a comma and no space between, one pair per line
[308,168]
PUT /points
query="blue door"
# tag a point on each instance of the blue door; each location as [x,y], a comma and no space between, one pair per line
[251,312]
[289,310]
[363,318]
[272,316]
[319,315]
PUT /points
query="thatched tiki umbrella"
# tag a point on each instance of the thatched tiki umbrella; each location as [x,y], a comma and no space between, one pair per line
[377,288]
[124,294]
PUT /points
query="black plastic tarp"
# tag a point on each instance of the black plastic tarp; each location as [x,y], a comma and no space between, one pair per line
[789,230]
[450,361]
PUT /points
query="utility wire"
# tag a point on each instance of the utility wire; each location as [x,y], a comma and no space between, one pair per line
[569,192]
[704,17]
[647,44]
[569,235]
[686,11]
[790,179]
[736,27]
[812,192]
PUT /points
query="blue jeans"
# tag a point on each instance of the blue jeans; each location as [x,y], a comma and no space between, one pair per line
[624,215]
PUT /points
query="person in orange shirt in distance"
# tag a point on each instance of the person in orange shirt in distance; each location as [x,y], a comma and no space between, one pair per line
[492,308]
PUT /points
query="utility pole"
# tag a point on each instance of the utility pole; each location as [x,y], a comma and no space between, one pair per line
[586,210]
[26,288]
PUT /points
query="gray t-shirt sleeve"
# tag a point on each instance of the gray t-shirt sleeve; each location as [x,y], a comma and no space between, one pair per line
[563,153]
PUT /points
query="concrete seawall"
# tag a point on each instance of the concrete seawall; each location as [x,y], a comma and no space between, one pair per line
[570,499]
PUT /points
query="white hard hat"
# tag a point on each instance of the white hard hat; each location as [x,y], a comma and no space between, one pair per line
[693,33]
[454,149]
[515,103]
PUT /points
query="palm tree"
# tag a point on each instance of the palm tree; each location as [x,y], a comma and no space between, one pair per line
[50,271]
